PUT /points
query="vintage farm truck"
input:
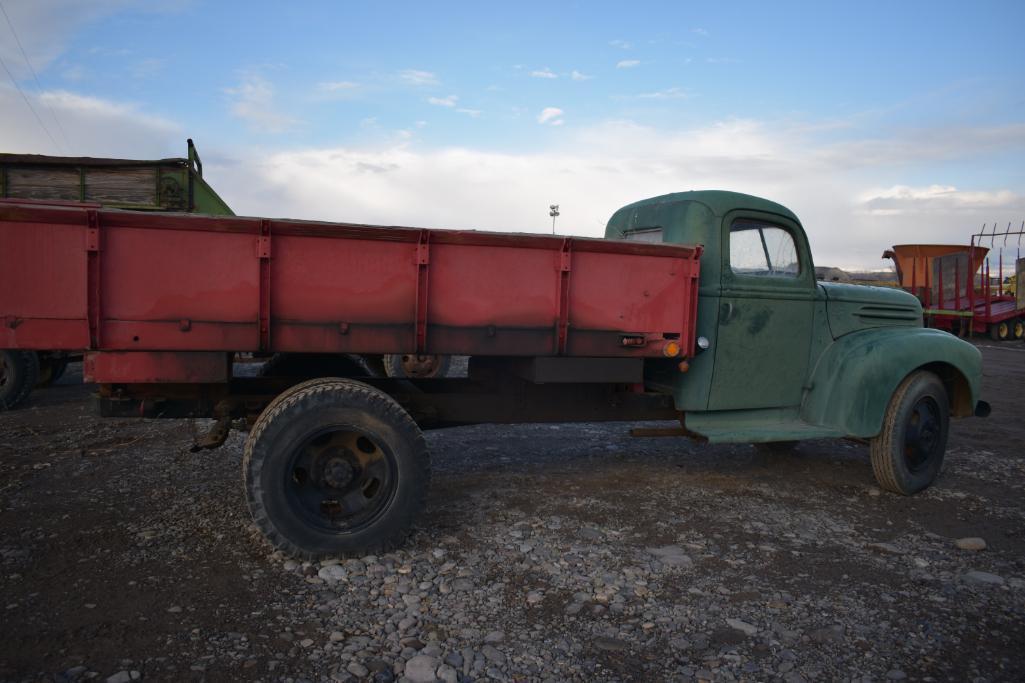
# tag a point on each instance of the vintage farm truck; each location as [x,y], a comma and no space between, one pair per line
[699,307]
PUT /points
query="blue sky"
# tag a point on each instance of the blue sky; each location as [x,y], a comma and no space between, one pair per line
[876,122]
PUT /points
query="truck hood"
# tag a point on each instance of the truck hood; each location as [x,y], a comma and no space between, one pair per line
[858,307]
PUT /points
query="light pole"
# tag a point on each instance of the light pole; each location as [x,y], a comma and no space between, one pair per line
[553,211]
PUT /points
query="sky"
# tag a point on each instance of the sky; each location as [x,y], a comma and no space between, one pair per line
[878,123]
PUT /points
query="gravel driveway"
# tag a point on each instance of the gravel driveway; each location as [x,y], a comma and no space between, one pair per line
[548,552]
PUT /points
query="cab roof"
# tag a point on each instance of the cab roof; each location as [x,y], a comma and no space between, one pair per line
[719,202]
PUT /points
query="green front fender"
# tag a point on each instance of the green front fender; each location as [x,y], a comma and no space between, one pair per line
[857,374]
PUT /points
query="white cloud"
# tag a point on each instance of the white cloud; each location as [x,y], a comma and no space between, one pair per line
[449,101]
[622,44]
[904,199]
[472,113]
[721,60]
[592,171]
[577,76]
[253,101]
[627,63]
[94,126]
[674,93]
[700,32]
[417,77]
[544,73]
[855,197]
[337,86]
[551,116]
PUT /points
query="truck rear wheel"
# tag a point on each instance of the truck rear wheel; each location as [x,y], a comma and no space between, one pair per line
[19,372]
[417,366]
[908,452]
[334,467]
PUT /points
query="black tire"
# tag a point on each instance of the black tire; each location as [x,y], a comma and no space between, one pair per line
[334,467]
[51,369]
[908,453]
[19,372]
[310,365]
[1000,331]
[413,366]
[1018,328]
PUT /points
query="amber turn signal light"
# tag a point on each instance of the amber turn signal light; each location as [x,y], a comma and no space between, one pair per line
[671,349]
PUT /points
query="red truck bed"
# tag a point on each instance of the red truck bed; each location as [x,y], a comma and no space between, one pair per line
[82,278]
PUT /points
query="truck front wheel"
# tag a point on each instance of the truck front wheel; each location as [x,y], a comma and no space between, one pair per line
[908,452]
[334,467]
[19,372]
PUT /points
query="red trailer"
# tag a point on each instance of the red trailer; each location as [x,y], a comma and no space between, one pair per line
[956,287]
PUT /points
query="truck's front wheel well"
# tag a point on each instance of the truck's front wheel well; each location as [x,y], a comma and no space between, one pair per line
[958,389]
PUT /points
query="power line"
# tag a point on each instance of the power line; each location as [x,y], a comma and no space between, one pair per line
[39,86]
[24,97]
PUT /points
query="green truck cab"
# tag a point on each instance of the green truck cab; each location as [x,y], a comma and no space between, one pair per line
[786,358]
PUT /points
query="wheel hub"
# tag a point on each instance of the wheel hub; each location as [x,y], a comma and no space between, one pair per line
[338,472]
[340,480]
[922,437]
[419,365]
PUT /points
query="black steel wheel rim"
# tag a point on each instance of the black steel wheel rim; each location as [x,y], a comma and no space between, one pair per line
[922,434]
[340,480]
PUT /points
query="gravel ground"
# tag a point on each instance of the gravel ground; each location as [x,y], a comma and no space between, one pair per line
[548,552]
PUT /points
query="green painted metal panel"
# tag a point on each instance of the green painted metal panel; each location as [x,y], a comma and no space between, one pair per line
[859,307]
[756,426]
[765,325]
[205,200]
[854,378]
[699,217]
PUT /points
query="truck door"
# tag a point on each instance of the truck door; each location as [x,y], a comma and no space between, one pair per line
[765,314]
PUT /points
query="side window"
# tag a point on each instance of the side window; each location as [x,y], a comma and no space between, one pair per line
[763,250]
[643,235]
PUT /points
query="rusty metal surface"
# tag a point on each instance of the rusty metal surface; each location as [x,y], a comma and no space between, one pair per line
[157,367]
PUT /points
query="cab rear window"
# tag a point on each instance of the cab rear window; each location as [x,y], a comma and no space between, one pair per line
[643,235]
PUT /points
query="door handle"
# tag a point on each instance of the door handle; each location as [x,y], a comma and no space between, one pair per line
[727,312]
